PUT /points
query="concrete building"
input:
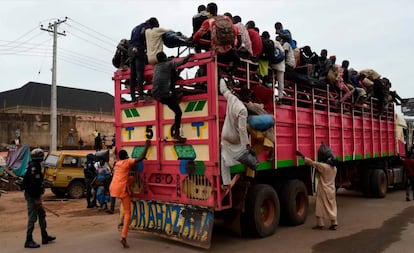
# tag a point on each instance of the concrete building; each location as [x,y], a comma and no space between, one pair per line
[25,112]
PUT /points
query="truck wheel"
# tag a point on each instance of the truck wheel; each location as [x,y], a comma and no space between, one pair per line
[59,192]
[76,190]
[261,211]
[366,182]
[294,202]
[379,183]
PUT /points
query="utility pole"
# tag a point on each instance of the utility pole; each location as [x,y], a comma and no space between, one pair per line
[53,93]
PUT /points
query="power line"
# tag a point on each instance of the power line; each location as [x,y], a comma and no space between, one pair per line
[25,48]
[93,36]
[20,37]
[103,35]
[36,47]
[45,52]
[63,58]
[22,42]
[93,43]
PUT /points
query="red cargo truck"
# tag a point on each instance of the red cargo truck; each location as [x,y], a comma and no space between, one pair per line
[177,191]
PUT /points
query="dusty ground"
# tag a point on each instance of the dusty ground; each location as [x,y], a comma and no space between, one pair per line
[366,225]
[72,218]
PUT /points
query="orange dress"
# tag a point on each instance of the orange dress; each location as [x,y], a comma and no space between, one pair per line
[119,184]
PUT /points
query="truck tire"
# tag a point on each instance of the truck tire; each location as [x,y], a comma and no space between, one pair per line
[379,183]
[76,189]
[59,192]
[366,182]
[261,211]
[294,202]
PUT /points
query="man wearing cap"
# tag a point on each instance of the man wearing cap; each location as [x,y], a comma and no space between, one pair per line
[120,185]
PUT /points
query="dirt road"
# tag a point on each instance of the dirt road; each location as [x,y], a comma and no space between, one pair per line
[366,225]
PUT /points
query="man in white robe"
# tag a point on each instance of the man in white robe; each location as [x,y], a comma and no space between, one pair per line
[325,192]
[234,137]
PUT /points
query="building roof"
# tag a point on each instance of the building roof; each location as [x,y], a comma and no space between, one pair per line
[34,94]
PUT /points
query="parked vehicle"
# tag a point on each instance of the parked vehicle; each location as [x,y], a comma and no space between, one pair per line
[64,174]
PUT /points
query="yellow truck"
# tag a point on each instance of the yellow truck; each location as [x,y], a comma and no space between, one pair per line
[64,174]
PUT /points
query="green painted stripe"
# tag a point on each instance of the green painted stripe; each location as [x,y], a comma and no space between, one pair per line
[264,166]
[131,113]
[135,112]
[238,168]
[200,105]
[127,113]
[190,106]
[348,157]
[200,168]
[285,163]
[376,155]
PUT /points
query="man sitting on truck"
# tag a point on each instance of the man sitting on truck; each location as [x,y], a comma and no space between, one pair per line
[223,36]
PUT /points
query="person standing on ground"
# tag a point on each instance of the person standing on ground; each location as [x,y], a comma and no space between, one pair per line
[325,192]
[89,172]
[33,191]
[408,164]
[70,137]
[120,185]
[98,142]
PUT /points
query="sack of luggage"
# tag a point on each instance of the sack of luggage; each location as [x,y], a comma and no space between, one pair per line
[222,31]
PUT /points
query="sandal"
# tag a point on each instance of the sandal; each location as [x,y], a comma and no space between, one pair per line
[333,227]
[224,187]
[124,243]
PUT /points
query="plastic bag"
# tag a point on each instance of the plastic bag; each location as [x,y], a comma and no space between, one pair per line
[249,158]
[261,122]
[325,153]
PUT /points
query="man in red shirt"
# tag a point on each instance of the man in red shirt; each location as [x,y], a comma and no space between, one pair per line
[226,53]
[408,164]
[208,25]
[263,95]
[257,45]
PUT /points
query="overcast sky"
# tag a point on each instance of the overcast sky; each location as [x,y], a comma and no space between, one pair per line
[375,34]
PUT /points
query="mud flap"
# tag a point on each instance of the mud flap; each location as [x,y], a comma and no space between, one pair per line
[188,224]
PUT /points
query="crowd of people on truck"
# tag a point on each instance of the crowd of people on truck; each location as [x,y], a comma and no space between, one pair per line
[228,38]
[235,44]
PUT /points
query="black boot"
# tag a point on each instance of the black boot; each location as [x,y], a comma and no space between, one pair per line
[47,239]
[175,133]
[31,244]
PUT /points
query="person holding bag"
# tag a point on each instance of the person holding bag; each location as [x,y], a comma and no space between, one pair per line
[325,193]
